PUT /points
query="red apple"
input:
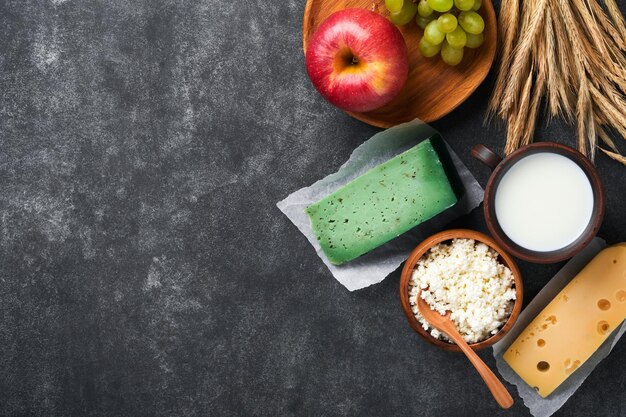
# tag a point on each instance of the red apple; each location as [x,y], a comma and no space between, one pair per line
[357,60]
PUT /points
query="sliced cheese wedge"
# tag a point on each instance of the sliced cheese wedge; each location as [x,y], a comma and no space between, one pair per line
[574,325]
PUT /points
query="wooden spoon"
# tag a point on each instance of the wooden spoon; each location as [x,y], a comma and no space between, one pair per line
[445,324]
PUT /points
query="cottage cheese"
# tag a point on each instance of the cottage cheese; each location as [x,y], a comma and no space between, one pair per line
[465,278]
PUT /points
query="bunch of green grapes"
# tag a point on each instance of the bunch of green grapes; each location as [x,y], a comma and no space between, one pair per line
[449,25]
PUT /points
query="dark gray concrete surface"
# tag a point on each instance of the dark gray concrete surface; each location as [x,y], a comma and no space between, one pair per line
[145,269]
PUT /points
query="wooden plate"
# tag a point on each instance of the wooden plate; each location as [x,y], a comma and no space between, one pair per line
[433,88]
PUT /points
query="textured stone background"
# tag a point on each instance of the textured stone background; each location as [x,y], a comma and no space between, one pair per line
[145,270]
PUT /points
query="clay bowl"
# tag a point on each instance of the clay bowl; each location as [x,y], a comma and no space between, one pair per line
[433,89]
[500,166]
[446,235]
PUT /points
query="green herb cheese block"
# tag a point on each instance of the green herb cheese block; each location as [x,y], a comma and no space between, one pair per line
[386,201]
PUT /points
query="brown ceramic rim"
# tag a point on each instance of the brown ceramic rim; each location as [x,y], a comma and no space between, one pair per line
[489,204]
[446,235]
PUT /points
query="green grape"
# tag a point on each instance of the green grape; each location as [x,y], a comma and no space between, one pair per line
[404,16]
[464,5]
[427,49]
[433,34]
[457,38]
[394,6]
[423,9]
[447,22]
[451,56]
[477,4]
[471,22]
[474,41]
[424,21]
[441,6]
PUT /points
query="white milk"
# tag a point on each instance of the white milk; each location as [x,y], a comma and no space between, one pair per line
[544,202]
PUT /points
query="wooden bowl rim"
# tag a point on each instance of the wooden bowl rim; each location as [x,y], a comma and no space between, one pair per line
[488,8]
[582,241]
[443,236]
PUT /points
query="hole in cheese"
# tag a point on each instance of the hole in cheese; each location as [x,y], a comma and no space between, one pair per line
[541,343]
[604,304]
[571,366]
[543,366]
[621,296]
[603,327]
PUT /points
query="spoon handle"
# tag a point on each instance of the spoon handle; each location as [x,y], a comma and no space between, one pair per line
[499,391]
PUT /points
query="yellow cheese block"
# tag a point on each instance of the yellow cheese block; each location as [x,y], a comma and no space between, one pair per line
[574,325]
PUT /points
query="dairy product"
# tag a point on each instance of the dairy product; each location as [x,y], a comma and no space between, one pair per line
[574,325]
[385,202]
[464,277]
[544,202]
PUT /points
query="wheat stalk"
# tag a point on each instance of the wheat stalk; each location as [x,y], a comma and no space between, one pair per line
[570,54]
[521,56]
[607,25]
[616,156]
[606,139]
[509,21]
[616,16]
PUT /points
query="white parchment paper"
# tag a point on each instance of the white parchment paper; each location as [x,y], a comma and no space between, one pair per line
[375,266]
[544,407]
